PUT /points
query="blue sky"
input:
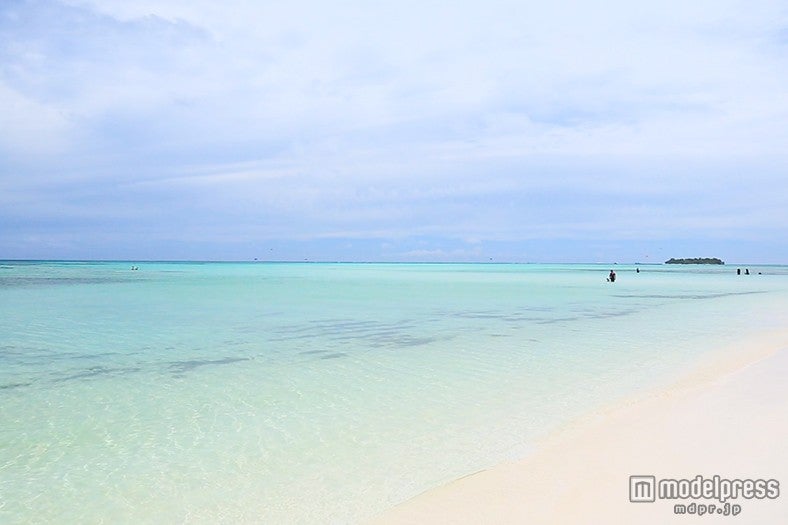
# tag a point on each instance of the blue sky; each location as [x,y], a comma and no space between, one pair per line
[402,131]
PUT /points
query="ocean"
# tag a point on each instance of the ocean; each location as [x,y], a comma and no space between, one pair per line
[322,392]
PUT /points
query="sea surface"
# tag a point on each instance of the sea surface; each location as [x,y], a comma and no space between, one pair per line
[324,393]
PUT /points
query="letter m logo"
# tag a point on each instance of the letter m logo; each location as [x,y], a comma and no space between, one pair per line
[642,489]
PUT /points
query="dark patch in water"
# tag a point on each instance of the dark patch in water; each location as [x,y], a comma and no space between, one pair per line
[371,333]
[333,356]
[19,282]
[606,315]
[558,320]
[8,350]
[93,356]
[98,371]
[408,340]
[235,342]
[521,319]
[309,352]
[519,316]
[181,367]
[9,386]
[480,315]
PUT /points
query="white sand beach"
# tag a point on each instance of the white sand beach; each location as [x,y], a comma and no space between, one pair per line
[727,417]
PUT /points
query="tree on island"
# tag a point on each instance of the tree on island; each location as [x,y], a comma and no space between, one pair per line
[699,260]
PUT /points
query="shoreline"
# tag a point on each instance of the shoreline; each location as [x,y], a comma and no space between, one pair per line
[724,416]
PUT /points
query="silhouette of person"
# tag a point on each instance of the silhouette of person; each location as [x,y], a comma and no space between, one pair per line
[612,276]
[738,271]
[747,271]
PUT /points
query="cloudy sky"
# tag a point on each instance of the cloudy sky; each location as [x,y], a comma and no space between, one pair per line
[408,130]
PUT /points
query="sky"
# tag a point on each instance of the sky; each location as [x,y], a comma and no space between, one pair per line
[394,131]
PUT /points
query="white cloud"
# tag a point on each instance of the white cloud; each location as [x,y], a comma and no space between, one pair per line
[488,120]
[572,78]
[31,127]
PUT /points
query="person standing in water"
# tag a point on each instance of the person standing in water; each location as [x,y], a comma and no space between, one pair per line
[612,277]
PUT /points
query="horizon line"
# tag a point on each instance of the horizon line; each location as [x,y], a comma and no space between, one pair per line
[328,261]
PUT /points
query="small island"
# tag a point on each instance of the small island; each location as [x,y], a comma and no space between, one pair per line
[699,260]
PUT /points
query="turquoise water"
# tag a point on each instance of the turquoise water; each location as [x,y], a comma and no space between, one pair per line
[313,393]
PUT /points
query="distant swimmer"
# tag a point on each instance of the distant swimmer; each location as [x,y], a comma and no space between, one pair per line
[637,270]
[746,271]
[612,277]
[738,271]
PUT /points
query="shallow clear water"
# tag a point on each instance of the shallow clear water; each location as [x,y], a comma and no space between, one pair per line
[289,393]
